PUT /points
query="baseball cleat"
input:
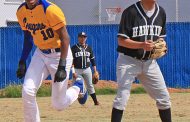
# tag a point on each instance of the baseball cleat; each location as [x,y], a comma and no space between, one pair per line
[96,103]
[83,95]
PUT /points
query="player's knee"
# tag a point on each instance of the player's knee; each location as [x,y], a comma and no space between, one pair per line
[119,107]
[118,104]
[163,104]
[59,105]
[90,90]
[28,92]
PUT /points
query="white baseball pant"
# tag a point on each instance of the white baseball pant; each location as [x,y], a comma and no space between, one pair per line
[87,75]
[148,72]
[40,67]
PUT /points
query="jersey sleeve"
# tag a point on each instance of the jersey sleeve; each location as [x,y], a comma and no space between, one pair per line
[55,17]
[27,47]
[163,32]
[21,19]
[91,53]
[125,27]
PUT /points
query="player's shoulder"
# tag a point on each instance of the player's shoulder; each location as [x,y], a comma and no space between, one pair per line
[21,6]
[46,4]
[49,6]
[162,11]
[131,9]
[74,46]
[89,47]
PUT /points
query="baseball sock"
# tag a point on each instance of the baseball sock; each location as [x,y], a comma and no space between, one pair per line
[94,99]
[116,115]
[165,115]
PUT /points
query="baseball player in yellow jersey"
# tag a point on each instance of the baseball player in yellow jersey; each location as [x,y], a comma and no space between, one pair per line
[44,24]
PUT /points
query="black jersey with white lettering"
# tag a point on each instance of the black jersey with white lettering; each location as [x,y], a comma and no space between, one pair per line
[82,56]
[137,26]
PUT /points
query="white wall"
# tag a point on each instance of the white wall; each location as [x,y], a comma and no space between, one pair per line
[8,12]
[85,12]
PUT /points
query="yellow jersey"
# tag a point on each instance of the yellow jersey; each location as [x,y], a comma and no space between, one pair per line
[42,22]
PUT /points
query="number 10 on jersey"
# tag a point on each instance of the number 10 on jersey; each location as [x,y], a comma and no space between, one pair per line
[48,33]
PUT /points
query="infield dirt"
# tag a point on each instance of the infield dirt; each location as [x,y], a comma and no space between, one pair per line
[141,108]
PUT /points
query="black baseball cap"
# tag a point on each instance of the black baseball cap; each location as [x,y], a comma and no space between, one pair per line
[82,34]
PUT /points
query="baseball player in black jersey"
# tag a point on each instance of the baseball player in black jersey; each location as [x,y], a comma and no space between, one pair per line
[83,57]
[141,24]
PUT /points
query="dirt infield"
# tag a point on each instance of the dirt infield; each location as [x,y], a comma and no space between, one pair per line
[141,108]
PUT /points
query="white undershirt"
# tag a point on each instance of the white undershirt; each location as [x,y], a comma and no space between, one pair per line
[149,13]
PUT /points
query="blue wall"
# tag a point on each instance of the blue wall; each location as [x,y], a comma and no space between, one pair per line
[102,38]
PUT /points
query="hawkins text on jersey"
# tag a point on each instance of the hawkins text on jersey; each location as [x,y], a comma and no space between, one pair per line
[146,30]
[138,26]
[82,56]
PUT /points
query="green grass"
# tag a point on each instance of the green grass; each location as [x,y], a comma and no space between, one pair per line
[15,91]
[12,91]
[44,91]
[105,91]
[138,90]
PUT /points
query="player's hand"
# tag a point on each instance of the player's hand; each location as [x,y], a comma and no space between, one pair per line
[21,69]
[148,45]
[61,74]
[74,75]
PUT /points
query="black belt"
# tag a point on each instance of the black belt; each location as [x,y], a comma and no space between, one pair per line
[48,51]
[137,57]
[81,68]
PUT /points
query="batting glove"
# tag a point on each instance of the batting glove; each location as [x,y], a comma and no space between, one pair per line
[21,69]
[61,74]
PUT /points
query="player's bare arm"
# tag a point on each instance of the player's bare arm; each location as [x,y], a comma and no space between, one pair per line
[147,45]
[61,73]
[94,68]
[73,72]
[64,37]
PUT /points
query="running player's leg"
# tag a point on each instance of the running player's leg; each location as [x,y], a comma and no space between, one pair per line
[154,83]
[61,96]
[36,72]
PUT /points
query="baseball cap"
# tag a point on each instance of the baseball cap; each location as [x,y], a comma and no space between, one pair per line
[82,34]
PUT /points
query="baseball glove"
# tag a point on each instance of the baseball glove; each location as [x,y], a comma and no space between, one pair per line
[159,50]
[95,77]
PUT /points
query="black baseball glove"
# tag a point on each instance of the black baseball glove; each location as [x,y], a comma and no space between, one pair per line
[21,69]
[61,74]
